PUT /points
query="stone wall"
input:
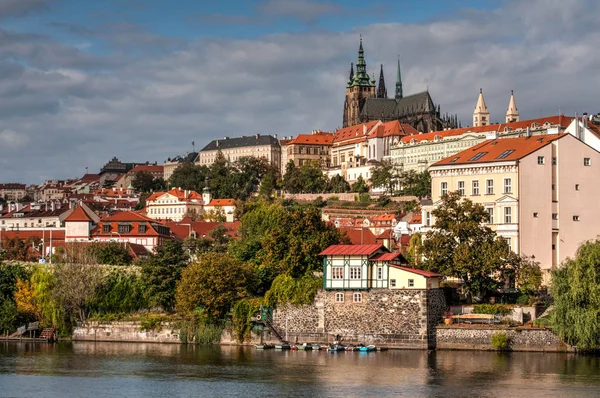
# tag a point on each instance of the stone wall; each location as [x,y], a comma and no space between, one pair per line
[124,332]
[479,338]
[395,318]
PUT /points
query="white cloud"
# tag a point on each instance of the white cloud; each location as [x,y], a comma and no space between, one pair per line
[10,139]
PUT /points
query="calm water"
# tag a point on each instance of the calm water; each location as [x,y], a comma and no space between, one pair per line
[153,370]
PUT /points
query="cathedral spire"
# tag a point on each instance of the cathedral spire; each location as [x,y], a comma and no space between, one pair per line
[351,78]
[481,114]
[398,81]
[361,77]
[512,114]
[381,90]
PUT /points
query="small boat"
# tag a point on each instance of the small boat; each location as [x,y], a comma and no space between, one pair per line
[368,348]
[316,347]
[305,347]
[352,347]
[284,346]
[294,347]
[335,348]
[264,346]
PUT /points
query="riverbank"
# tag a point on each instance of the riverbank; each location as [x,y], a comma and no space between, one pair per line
[474,338]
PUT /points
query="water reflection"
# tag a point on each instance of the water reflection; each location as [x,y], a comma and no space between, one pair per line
[130,369]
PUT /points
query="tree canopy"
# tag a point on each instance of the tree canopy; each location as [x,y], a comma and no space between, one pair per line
[144,182]
[576,292]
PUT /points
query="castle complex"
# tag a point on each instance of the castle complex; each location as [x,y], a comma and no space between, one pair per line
[365,102]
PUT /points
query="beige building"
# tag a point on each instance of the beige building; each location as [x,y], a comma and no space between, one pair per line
[174,205]
[315,147]
[126,181]
[540,192]
[418,152]
[172,164]
[13,191]
[259,146]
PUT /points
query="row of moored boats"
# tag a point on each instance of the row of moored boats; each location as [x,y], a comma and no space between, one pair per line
[317,347]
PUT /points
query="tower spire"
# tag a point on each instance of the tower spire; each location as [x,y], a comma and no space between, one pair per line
[381,90]
[481,114]
[512,114]
[351,78]
[398,81]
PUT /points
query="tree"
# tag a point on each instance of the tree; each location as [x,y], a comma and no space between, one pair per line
[338,184]
[460,245]
[161,271]
[576,291]
[189,176]
[291,179]
[144,182]
[110,253]
[213,283]
[108,184]
[312,178]
[415,184]
[21,249]
[360,186]
[25,298]
[527,275]
[384,175]
[76,285]
[414,252]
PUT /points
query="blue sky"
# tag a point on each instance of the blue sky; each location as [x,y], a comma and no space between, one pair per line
[82,81]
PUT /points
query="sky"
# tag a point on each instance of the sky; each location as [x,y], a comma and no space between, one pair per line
[82,81]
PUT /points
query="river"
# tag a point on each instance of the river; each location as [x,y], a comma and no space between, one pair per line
[164,370]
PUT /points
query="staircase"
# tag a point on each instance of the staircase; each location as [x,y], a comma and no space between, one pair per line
[265,317]
[48,334]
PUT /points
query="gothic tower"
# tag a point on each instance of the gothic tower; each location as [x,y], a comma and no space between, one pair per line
[398,81]
[512,114]
[381,90]
[359,88]
[481,114]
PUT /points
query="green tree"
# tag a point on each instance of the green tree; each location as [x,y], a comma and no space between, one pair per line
[415,184]
[143,181]
[213,283]
[75,287]
[108,184]
[384,175]
[291,179]
[110,253]
[462,246]
[576,292]
[312,178]
[161,271]
[360,186]
[414,252]
[189,176]
[338,184]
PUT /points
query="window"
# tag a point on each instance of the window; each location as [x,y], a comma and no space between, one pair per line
[357,298]
[490,211]
[507,215]
[142,229]
[106,228]
[554,160]
[555,216]
[577,187]
[411,283]
[380,273]
[507,185]
[392,283]
[575,218]
[587,162]
[508,242]
[454,160]
[339,297]
[535,215]
[489,187]
[337,273]
[541,160]
[354,272]
[427,218]
[444,188]
[478,156]
[553,246]
[504,154]
[124,228]
[475,187]
[461,188]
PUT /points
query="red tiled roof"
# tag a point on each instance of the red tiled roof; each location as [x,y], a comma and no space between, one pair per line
[491,150]
[350,250]
[178,193]
[57,234]
[387,257]
[422,272]
[127,216]
[384,217]
[561,120]
[416,219]
[147,168]
[386,234]
[359,236]
[222,202]
[393,129]
[353,132]
[183,228]
[78,215]
[320,138]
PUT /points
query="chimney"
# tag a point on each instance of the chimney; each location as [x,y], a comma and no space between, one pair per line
[528,132]
[52,206]
[257,136]
[585,119]
[217,143]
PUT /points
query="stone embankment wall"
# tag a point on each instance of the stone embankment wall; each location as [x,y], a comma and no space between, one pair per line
[394,318]
[479,338]
[125,332]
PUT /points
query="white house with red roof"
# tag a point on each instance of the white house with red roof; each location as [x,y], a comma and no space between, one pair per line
[365,267]
[174,204]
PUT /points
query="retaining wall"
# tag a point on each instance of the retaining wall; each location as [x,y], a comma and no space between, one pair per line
[125,332]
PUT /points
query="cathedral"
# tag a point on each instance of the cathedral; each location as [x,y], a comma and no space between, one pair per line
[365,102]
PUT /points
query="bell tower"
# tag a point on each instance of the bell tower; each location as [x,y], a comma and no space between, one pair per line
[358,89]
[512,114]
[481,114]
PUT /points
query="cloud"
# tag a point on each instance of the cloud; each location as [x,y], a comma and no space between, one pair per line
[79,109]
[307,11]
[16,8]
[12,140]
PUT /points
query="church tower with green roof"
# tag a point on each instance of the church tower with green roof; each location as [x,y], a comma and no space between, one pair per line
[360,86]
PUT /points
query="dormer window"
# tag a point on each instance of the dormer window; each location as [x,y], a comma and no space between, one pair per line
[106,228]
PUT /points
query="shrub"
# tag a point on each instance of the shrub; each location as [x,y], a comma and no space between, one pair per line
[500,341]
[523,299]
[152,323]
[492,309]
[243,311]
[365,198]
[333,198]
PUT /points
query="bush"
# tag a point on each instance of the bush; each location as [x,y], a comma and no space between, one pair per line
[523,299]
[243,311]
[197,330]
[152,323]
[500,341]
[492,309]
[333,198]
[364,198]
